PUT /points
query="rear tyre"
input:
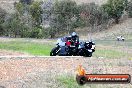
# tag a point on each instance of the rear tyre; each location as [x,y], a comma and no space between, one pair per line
[118,39]
[81,53]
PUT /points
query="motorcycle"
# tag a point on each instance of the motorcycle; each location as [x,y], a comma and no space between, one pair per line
[86,49]
[120,38]
[70,48]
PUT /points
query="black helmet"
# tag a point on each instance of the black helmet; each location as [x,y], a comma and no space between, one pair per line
[74,34]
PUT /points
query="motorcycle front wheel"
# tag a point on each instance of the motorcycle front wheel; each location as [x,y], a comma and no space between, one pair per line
[54,51]
[89,54]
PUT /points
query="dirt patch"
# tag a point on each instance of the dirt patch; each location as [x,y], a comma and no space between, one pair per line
[37,72]
[12,69]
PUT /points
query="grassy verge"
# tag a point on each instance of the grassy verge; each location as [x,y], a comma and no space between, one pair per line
[68,82]
[127,43]
[27,47]
[110,53]
[113,49]
[35,48]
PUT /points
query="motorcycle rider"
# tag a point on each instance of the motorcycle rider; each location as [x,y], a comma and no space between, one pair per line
[70,46]
[75,39]
[72,43]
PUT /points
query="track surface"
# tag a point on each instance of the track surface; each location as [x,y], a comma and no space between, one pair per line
[33,72]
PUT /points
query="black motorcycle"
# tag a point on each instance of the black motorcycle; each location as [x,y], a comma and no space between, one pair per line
[86,49]
[66,48]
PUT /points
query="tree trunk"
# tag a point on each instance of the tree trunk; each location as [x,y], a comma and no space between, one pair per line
[52,35]
[117,20]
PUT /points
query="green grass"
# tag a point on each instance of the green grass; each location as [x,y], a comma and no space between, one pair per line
[115,49]
[127,43]
[27,47]
[35,48]
[109,53]
[68,82]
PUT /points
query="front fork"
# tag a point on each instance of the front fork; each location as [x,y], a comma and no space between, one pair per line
[57,49]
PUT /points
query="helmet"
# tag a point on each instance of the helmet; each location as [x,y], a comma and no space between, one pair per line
[74,34]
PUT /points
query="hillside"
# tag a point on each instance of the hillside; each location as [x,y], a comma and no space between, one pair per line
[8,4]
[124,28]
[89,1]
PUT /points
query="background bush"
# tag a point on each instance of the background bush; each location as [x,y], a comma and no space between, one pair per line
[2,20]
[50,19]
[36,33]
[129,9]
[115,8]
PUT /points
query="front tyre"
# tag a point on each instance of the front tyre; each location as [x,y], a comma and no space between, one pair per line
[89,54]
[123,40]
[54,51]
